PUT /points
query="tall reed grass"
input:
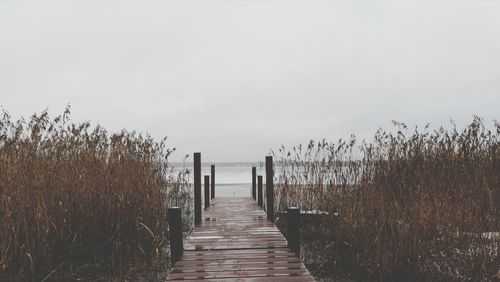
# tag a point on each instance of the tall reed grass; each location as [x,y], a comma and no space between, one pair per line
[411,205]
[77,201]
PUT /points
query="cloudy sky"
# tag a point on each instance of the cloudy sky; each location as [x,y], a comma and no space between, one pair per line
[233,79]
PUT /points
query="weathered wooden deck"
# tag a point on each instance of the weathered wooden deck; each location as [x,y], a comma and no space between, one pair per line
[235,242]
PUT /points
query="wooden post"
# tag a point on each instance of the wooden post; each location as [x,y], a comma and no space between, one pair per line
[207,191]
[175,227]
[259,188]
[254,176]
[269,188]
[212,172]
[197,188]
[293,230]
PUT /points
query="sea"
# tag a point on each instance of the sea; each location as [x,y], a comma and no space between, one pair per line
[232,179]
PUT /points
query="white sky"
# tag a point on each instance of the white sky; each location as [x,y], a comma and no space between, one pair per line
[233,79]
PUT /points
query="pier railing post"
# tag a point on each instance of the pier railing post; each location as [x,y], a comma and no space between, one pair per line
[254,176]
[259,188]
[293,229]
[269,188]
[212,172]
[197,188]
[175,227]
[207,191]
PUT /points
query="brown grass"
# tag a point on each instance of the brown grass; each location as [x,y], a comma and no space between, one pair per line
[77,201]
[408,206]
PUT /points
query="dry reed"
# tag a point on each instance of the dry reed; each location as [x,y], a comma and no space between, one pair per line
[76,201]
[408,206]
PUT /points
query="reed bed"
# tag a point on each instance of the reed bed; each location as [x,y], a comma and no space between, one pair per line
[79,202]
[410,205]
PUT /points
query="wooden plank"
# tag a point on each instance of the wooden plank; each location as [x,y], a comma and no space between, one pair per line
[237,274]
[259,279]
[241,261]
[256,260]
[226,267]
[226,252]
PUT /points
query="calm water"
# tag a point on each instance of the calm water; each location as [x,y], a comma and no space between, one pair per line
[231,179]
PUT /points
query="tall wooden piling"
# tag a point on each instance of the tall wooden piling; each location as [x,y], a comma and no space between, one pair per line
[254,184]
[175,227]
[212,172]
[293,230]
[207,191]
[269,188]
[259,190]
[197,188]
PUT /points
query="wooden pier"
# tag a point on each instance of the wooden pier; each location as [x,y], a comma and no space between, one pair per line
[236,242]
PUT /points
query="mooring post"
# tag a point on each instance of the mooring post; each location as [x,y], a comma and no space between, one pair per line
[175,227]
[254,176]
[197,188]
[269,188]
[212,172]
[259,188]
[293,229]
[207,191]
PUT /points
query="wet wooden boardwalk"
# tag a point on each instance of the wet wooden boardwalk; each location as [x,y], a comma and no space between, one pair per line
[236,242]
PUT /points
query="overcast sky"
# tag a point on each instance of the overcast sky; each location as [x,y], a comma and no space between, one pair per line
[233,79]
